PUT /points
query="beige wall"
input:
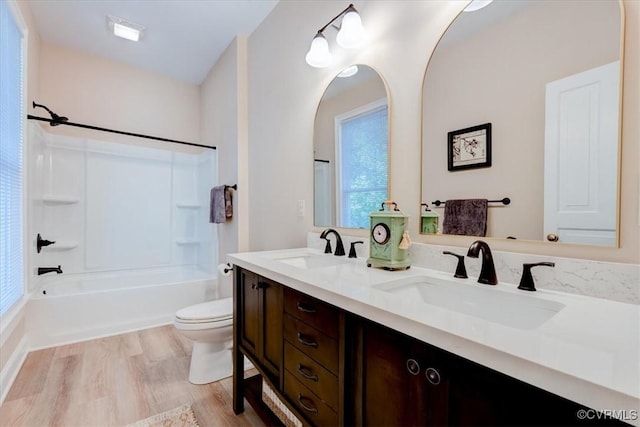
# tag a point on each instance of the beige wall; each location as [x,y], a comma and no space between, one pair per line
[284,92]
[95,91]
[223,110]
[473,81]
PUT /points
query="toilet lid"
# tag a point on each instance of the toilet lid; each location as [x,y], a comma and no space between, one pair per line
[221,309]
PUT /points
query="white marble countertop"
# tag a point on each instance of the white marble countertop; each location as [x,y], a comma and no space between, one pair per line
[588,352]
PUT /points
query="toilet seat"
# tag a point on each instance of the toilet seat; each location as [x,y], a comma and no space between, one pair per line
[208,312]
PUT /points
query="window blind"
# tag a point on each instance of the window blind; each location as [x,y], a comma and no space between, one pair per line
[11,254]
[363,164]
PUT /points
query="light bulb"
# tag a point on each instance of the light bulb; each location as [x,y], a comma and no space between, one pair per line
[476,5]
[352,33]
[349,71]
[319,55]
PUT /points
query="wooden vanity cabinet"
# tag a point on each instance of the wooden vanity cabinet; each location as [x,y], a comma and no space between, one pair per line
[331,367]
[259,321]
[404,381]
[313,363]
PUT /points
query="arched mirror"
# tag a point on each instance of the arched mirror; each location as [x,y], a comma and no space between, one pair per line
[521,100]
[351,149]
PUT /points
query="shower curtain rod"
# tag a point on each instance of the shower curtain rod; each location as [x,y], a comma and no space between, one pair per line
[57,120]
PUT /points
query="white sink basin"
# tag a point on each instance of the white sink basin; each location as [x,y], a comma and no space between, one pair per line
[514,308]
[307,258]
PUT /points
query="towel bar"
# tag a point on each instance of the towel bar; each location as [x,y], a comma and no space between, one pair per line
[504,201]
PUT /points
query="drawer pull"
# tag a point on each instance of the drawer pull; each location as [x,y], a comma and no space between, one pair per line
[306,340]
[307,372]
[311,409]
[305,308]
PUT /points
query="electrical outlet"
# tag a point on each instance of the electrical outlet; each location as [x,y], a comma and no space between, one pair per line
[301,209]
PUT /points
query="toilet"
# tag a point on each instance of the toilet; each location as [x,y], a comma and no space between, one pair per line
[210,326]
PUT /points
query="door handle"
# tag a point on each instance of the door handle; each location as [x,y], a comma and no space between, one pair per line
[259,285]
[552,237]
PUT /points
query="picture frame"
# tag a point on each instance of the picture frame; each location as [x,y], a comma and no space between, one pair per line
[469,148]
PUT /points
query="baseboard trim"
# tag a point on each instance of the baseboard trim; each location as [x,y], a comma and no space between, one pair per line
[12,367]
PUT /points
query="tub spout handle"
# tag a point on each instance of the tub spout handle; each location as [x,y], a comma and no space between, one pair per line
[45,270]
[40,243]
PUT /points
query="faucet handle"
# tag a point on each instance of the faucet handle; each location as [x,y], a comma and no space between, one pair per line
[461,271]
[327,248]
[526,281]
[352,249]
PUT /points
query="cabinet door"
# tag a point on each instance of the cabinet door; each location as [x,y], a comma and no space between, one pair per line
[271,348]
[393,386]
[475,395]
[249,320]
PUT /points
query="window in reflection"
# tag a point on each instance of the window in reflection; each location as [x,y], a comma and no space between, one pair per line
[361,163]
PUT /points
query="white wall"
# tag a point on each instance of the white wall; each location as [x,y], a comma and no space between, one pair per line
[284,92]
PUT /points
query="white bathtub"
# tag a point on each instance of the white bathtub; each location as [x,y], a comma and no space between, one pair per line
[86,306]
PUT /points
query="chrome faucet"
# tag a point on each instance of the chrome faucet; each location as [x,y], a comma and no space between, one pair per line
[488,270]
[339,246]
[45,270]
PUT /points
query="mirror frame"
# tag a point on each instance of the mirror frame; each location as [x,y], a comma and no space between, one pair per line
[540,245]
[355,231]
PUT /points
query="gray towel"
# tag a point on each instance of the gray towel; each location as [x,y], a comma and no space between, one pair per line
[217,209]
[465,217]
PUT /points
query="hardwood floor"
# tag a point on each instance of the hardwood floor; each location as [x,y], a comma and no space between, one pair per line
[115,381]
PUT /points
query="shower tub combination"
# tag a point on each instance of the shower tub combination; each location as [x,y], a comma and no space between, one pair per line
[92,305]
[132,236]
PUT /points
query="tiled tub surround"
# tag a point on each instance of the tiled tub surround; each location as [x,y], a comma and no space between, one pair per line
[588,352]
[608,280]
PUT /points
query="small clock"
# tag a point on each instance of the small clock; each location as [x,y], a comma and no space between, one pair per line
[387,246]
[381,233]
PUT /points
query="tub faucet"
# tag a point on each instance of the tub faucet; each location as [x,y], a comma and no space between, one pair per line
[45,270]
[339,246]
[488,270]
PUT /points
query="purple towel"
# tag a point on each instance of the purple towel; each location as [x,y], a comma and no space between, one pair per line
[217,209]
[465,217]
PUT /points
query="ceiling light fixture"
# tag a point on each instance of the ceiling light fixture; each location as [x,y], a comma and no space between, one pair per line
[351,35]
[476,5]
[125,29]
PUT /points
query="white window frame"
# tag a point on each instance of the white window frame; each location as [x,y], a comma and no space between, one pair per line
[12,317]
[364,109]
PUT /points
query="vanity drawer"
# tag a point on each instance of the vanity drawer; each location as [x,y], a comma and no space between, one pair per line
[310,341]
[308,403]
[314,312]
[316,378]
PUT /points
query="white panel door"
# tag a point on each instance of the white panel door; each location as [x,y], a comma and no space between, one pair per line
[581,156]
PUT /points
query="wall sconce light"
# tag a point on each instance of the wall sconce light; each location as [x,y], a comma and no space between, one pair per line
[351,35]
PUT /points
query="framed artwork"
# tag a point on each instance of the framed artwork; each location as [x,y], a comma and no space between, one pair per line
[469,148]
